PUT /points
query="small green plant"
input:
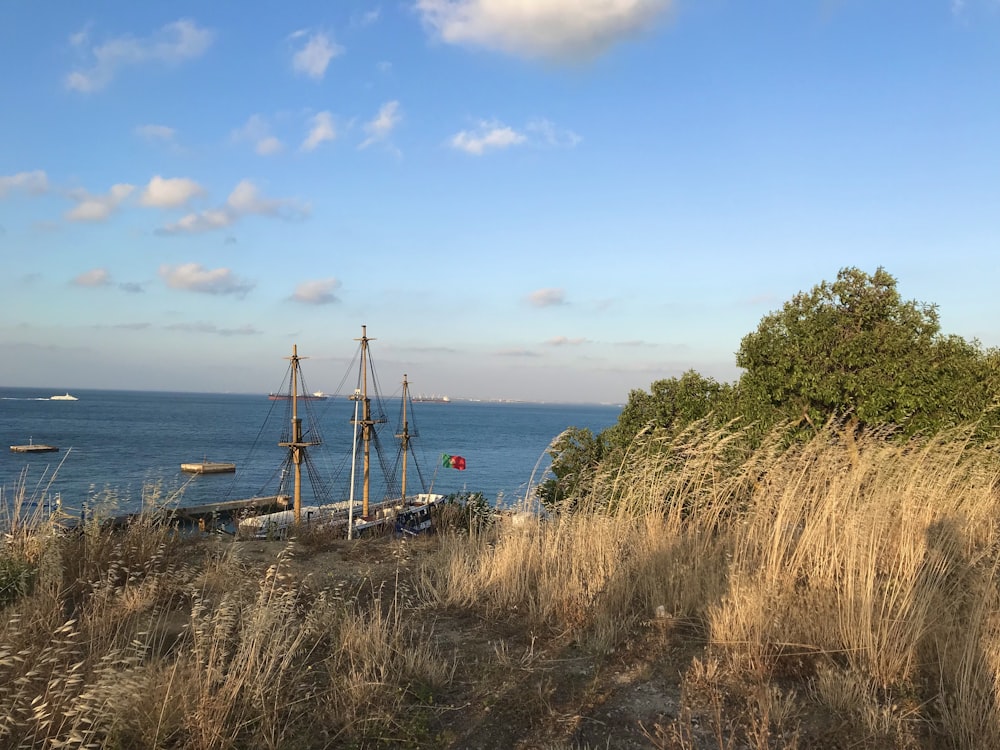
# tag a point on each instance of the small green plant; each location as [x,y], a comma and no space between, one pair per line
[16,577]
[465,511]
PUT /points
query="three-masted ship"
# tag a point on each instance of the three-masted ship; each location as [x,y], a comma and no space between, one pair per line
[405,513]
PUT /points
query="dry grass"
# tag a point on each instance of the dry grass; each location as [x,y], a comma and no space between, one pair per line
[844,588]
[861,568]
[140,637]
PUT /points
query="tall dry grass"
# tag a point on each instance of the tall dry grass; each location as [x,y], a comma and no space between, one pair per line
[860,566]
[851,576]
[143,637]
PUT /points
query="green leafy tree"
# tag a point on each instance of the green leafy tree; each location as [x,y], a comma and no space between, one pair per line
[855,347]
[576,455]
[672,404]
[852,349]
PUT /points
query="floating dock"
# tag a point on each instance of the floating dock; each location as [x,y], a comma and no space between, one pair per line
[209,467]
[33,448]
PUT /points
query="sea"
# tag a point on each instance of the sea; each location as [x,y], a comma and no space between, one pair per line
[120,450]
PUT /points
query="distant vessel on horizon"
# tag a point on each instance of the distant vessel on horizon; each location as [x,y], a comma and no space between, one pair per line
[315,396]
[433,399]
[67,397]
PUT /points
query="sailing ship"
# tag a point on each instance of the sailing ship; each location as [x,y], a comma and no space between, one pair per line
[406,513]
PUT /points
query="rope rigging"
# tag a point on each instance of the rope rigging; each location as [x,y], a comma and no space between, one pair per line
[327,471]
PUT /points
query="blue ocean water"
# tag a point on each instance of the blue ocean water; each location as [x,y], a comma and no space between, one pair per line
[123,443]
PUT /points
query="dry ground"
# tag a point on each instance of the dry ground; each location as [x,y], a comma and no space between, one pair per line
[515,688]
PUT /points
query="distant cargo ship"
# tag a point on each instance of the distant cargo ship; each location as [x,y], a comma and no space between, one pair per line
[315,396]
[432,399]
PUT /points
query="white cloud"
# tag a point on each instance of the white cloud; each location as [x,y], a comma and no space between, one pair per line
[211,328]
[98,207]
[489,135]
[321,129]
[314,56]
[546,133]
[366,19]
[194,277]
[156,133]
[245,200]
[561,30]
[547,297]
[318,292]
[257,131]
[565,341]
[968,9]
[170,192]
[268,146]
[382,125]
[203,221]
[493,135]
[81,37]
[35,182]
[93,278]
[174,43]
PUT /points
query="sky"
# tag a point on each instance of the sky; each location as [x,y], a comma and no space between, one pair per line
[542,200]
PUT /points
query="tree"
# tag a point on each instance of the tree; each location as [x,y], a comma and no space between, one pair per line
[852,349]
[576,455]
[855,347]
[672,404]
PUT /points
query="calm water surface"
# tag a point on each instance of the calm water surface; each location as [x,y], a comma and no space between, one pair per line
[123,443]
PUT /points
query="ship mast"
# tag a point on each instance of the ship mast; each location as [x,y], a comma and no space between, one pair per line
[404,436]
[366,421]
[296,446]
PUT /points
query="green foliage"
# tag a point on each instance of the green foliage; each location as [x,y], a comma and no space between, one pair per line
[465,511]
[16,577]
[576,455]
[672,404]
[852,350]
[855,347]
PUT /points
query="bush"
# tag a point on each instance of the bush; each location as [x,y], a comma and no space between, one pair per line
[16,577]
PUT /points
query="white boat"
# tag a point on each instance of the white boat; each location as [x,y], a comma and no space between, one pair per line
[407,514]
[67,397]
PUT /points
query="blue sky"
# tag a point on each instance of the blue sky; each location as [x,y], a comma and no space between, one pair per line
[559,200]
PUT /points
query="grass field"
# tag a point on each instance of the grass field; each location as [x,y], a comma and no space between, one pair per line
[842,593]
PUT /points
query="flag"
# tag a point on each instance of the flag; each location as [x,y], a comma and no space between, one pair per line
[452,462]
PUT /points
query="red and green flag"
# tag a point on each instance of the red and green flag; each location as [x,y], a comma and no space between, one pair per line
[452,462]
